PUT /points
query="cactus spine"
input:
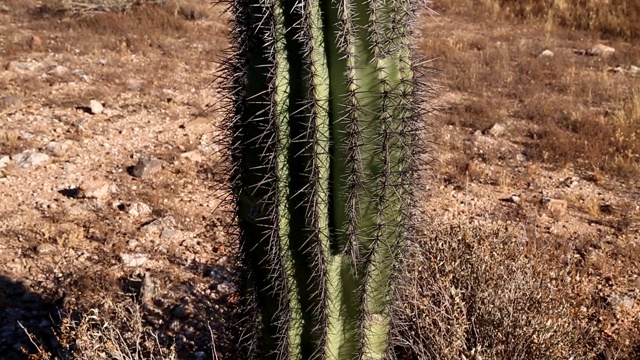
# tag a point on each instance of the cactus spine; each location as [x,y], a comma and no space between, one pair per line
[323,147]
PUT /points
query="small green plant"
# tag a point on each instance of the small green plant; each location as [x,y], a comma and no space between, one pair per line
[324,148]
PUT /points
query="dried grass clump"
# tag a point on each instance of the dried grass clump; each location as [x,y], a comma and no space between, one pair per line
[118,332]
[477,293]
[78,7]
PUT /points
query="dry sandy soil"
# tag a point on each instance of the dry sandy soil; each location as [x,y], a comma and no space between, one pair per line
[82,228]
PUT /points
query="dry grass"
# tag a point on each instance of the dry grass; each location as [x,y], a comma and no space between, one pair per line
[118,332]
[482,294]
[574,109]
[607,17]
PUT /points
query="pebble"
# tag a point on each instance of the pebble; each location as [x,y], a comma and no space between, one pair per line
[168,233]
[600,50]
[94,189]
[4,161]
[30,158]
[133,260]
[21,66]
[138,209]
[57,148]
[147,289]
[96,107]
[45,249]
[10,101]
[224,288]
[512,199]
[194,156]
[196,123]
[546,53]
[496,130]
[59,71]
[557,206]
[146,166]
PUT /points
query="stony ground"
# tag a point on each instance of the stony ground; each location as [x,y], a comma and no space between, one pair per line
[108,183]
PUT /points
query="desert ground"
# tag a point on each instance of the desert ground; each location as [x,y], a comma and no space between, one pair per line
[112,236]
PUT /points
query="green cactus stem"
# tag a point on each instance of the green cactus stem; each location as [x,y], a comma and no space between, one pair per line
[324,148]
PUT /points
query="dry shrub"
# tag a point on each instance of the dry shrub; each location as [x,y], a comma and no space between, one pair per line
[187,9]
[473,292]
[608,17]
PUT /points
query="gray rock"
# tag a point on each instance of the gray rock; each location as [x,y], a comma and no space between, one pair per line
[21,66]
[56,148]
[30,158]
[168,233]
[146,167]
[147,289]
[59,70]
[45,249]
[4,161]
[546,53]
[25,135]
[133,260]
[600,50]
[96,107]
[138,209]
[496,130]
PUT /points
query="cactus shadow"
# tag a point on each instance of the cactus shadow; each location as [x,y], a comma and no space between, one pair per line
[27,321]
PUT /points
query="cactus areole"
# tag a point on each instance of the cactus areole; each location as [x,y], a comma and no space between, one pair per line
[322,131]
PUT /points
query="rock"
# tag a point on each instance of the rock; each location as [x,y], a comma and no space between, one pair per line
[96,107]
[496,130]
[633,70]
[25,135]
[600,50]
[147,289]
[59,71]
[135,85]
[35,42]
[571,181]
[224,288]
[168,233]
[20,66]
[94,189]
[146,166]
[56,148]
[194,156]
[30,158]
[45,249]
[521,157]
[133,260]
[181,311]
[4,161]
[546,53]
[512,199]
[138,209]
[10,101]
[196,123]
[556,206]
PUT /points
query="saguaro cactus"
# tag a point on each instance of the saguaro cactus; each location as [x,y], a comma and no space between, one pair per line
[323,132]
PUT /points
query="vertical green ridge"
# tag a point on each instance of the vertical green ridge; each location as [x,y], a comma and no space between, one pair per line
[281,98]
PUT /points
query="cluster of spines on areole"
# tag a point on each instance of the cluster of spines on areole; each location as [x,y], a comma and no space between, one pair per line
[378,126]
